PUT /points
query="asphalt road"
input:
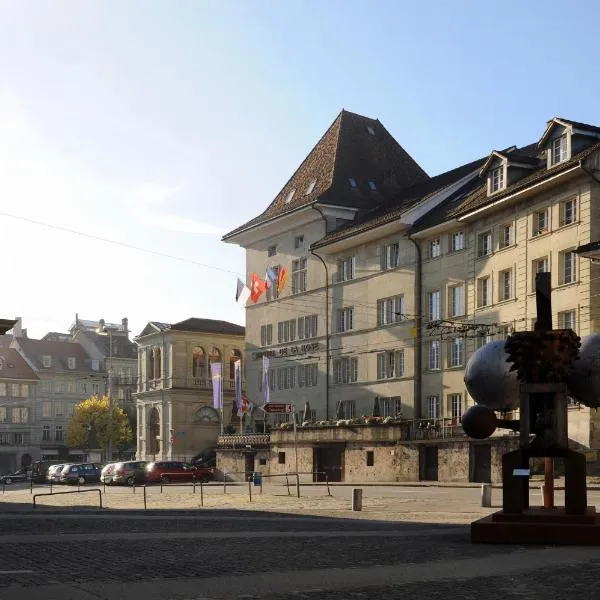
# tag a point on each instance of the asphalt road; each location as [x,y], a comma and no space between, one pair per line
[254,555]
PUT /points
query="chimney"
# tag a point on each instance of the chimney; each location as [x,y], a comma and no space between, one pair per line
[17,329]
[125,324]
[101,323]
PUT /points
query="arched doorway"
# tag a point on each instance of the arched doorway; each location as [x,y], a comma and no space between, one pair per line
[154,432]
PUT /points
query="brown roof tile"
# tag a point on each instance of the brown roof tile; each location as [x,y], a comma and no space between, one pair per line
[354,147]
[209,326]
[59,351]
[14,366]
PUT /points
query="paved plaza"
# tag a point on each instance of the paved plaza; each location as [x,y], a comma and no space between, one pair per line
[407,542]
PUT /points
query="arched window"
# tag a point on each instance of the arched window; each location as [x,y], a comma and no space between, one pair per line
[214,356]
[233,357]
[150,364]
[154,430]
[199,370]
[157,364]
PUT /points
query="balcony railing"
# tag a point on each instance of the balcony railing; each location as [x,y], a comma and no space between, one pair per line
[256,440]
[193,383]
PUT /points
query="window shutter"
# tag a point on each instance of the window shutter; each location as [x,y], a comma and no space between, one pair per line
[382,258]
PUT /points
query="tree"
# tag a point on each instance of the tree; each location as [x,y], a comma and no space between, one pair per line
[91,425]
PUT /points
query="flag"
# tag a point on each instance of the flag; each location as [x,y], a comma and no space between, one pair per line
[216,371]
[266,388]
[257,288]
[270,277]
[237,384]
[281,279]
[244,407]
[243,293]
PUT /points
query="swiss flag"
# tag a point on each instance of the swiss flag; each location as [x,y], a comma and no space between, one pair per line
[257,288]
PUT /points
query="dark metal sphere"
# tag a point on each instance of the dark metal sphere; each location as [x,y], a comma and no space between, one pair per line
[479,422]
[584,381]
[489,380]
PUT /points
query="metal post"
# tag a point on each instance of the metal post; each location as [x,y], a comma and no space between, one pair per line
[298,484]
[250,489]
[145,506]
[221,394]
[224,483]
[296,453]
[194,485]
[261,482]
[327,482]
[201,493]
[31,485]
[110,402]
[287,483]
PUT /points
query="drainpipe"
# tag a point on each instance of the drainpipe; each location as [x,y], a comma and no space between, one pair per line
[327,367]
[418,380]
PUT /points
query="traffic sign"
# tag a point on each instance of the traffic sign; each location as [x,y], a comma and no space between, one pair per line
[273,407]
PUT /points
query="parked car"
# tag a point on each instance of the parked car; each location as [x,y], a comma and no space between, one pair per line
[17,477]
[206,458]
[39,470]
[107,473]
[130,472]
[81,473]
[173,471]
[54,472]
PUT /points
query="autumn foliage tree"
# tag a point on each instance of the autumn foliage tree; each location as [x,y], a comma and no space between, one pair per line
[92,426]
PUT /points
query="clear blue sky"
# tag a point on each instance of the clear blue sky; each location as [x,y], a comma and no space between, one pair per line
[164,124]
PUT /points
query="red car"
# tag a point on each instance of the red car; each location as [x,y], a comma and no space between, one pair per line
[172,471]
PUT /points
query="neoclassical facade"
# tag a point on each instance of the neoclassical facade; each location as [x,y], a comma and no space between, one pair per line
[174,402]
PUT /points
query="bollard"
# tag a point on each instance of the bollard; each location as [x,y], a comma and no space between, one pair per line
[145,505]
[51,486]
[357,499]
[261,482]
[133,486]
[224,483]
[250,489]
[327,482]
[31,486]
[287,482]
[486,495]
[201,494]
[298,485]
[193,485]
[104,491]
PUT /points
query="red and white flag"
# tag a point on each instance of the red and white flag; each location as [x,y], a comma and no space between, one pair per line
[257,288]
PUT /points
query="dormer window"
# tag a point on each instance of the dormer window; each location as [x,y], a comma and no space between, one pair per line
[46,362]
[290,196]
[353,183]
[497,179]
[95,365]
[559,149]
[370,130]
[311,186]
[372,185]
[71,362]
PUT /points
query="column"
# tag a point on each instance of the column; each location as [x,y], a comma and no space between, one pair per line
[144,422]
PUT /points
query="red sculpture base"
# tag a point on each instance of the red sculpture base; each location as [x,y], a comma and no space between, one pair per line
[538,526]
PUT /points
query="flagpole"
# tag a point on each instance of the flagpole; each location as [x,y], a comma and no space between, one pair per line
[221,392]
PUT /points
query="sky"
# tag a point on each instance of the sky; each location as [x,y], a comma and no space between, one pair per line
[134,134]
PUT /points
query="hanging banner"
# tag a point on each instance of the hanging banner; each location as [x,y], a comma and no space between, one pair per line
[266,388]
[237,384]
[216,372]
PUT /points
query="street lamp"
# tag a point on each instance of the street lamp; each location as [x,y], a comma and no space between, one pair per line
[102,330]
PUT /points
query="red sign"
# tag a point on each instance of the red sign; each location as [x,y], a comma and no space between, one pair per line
[272,407]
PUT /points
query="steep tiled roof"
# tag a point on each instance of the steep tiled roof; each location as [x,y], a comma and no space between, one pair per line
[14,366]
[209,326]
[479,198]
[353,147]
[59,351]
[393,209]
[122,346]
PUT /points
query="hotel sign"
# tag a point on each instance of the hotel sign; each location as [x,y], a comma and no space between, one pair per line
[288,351]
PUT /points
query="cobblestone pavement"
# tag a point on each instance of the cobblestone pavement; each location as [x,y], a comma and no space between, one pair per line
[236,555]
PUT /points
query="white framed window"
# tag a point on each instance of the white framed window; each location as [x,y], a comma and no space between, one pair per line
[390,364]
[59,409]
[456,352]
[503,332]
[46,410]
[390,310]
[507,235]
[286,331]
[308,375]
[434,305]
[59,387]
[71,362]
[540,222]
[455,405]
[58,433]
[433,407]
[307,327]
[456,300]
[71,387]
[568,212]
[482,340]
[539,265]
[346,409]
[484,243]
[266,335]
[567,267]
[435,248]
[434,355]
[345,319]
[346,269]
[46,362]
[497,179]
[272,250]
[457,241]
[559,149]
[390,256]
[567,319]
[96,389]
[299,242]
[299,275]
[46,433]
[505,285]
[390,407]
[95,364]
[83,387]
[272,292]
[286,378]
[484,291]
[345,370]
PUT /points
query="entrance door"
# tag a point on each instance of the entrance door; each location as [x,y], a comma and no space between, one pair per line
[481,463]
[249,465]
[328,460]
[429,463]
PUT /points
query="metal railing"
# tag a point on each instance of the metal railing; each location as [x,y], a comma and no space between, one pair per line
[69,492]
[243,439]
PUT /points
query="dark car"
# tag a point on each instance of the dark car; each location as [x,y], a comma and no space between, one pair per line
[18,477]
[174,471]
[39,470]
[81,473]
[207,458]
[130,472]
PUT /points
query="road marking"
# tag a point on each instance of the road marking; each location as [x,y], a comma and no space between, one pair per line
[22,572]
